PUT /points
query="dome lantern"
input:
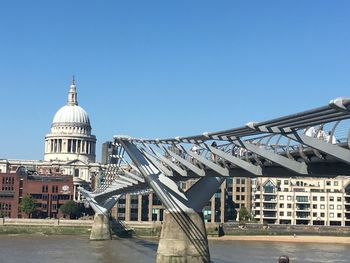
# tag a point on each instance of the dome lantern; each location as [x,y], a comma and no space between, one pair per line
[72,95]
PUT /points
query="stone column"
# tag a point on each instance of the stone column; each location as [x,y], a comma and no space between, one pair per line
[150,207]
[139,208]
[183,238]
[213,208]
[100,228]
[127,207]
[222,203]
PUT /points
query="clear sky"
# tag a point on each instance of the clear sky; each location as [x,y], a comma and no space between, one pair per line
[166,68]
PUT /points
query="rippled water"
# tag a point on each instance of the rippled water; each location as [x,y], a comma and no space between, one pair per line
[72,249]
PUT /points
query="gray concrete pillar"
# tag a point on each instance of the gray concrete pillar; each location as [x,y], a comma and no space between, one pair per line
[100,228]
[183,238]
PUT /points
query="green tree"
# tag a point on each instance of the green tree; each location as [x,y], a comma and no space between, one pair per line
[27,205]
[244,214]
[70,208]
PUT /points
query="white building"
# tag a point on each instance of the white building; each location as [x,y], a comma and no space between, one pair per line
[69,147]
[309,201]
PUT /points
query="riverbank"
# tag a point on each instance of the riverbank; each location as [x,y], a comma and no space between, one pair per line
[229,231]
[291,239]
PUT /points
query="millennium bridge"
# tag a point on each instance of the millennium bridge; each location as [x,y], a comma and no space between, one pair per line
[293,145]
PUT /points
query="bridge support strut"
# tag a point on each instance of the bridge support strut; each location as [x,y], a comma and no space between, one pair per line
[183,238]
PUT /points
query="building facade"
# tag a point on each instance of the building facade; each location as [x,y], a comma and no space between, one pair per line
[308,201]
[49,192]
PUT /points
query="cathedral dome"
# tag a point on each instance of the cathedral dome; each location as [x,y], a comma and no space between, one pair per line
[71,115]
[70,137]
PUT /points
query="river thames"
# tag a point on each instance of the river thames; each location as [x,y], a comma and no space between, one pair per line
[73,249]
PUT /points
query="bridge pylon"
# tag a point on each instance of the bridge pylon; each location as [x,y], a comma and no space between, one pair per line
[183,237]
[102,206]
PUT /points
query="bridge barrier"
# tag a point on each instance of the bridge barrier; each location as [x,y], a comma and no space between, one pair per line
[44,222]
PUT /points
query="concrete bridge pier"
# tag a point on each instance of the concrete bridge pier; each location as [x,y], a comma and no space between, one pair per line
[183,238]
[102,204]
[100,228]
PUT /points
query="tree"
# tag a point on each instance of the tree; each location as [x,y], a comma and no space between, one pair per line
[70,208]
[27,205]
[244,214]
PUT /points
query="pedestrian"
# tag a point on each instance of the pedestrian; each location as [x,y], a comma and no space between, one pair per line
[283,259]
[321,135]
[330,138]
[213,156]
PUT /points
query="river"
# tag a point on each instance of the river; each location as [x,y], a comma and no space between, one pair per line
[73,249]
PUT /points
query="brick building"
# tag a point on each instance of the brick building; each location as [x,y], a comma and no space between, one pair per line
[48,191]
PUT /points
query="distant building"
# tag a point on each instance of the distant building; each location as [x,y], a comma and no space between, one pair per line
[107,151]
[307,201]
[69,148]
[222,207]
[49,192]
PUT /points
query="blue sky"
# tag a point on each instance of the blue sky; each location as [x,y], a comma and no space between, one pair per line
[166,68]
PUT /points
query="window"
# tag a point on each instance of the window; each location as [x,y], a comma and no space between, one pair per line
[322,198]
[331,207]
[328,183]
[314,214]
[238,181]
[243,189]
[289,197]
[281,213]
[339,215]
[314,198]
[289,213]
[238,197]
[322,214]
[314,206]
[339,199]
[331,215]
[237,189]
[269,187]
[339,207]
[285,189]
[285,182]
[281,205]
[243,181]
[281,197]
[335,183]
[302,199]
[242,197]
[322,206]
[289,205]
[331,198]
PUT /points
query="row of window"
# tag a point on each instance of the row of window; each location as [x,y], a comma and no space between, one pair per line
[331,215]
[54,197]
[5,206]
[8,180]
[314,198]
[45,189]
[7,188]
[301,183]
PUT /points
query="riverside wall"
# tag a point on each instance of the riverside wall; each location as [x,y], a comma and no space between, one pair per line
[153,229]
